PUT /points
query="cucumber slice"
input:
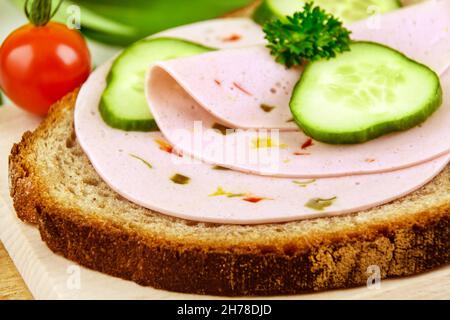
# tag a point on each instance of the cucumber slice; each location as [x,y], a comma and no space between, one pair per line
[123,104]
[362,94]
[347,10]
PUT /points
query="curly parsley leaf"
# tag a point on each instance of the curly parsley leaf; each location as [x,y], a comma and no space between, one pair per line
[308,35]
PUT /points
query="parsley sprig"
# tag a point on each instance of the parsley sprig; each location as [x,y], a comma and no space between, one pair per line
[310,34]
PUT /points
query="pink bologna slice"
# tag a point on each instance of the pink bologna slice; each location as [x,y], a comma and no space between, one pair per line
[420,31]
[219,33]
[144,169]
[246,89]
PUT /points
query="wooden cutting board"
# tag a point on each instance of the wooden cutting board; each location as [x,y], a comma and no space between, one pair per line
[12,286]
[49,276]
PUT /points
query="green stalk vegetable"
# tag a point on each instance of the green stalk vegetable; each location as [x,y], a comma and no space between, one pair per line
[121,22]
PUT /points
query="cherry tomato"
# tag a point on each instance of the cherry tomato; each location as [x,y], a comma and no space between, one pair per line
[41,64]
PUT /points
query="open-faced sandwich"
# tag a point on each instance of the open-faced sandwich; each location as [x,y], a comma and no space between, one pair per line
[233,157]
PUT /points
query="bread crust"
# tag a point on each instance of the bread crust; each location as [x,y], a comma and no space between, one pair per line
[337,257]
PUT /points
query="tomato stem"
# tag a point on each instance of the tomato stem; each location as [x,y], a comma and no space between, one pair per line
[41,11]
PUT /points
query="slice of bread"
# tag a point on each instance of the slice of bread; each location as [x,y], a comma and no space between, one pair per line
[54,186]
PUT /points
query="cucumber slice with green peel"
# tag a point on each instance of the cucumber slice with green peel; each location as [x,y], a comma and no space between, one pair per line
[347,10]
[362,94]
[123,104]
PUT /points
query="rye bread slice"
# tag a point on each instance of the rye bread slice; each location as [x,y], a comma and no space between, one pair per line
[54,186]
